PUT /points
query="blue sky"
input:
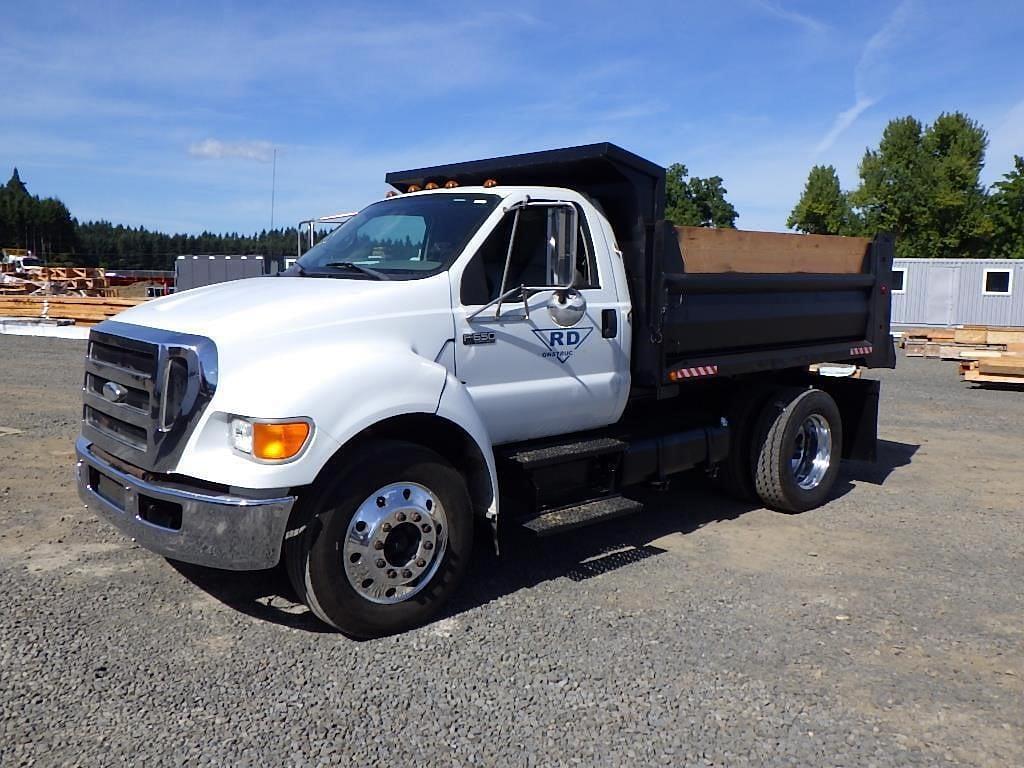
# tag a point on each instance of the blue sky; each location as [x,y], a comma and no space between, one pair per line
[167,115]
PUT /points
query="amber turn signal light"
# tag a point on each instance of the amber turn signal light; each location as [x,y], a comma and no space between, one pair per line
[275,442]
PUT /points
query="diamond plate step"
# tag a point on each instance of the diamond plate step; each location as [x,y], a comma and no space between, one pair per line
[535,458]
[578,515]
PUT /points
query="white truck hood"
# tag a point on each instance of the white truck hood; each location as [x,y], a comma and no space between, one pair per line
[268,308]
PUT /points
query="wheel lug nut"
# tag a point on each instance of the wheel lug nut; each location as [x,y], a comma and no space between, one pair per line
[425,527]
[378,545]
[381,563]
[416,517]
[392,574]
[400,517]
[406,574]
[428,545]
[420,563]
[386,527]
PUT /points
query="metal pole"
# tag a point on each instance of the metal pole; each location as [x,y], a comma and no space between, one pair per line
[273,184]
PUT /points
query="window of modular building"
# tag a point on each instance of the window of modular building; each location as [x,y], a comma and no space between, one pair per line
[997,282]
[899,280]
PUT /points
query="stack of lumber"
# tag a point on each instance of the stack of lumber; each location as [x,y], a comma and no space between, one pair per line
[970,342]
[83,310]
[1004,370]
[64,281]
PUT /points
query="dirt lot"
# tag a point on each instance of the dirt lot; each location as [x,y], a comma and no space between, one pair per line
[885,628]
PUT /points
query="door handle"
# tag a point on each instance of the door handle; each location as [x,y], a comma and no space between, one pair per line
[609,323]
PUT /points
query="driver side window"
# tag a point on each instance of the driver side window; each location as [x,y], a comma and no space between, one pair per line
[481,281]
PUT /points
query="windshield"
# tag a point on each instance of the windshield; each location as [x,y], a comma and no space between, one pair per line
[401,238]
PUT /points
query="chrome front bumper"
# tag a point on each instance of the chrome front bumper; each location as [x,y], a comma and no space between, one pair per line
[217,530]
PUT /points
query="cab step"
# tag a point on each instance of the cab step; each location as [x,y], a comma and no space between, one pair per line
[562,519]
[535,458]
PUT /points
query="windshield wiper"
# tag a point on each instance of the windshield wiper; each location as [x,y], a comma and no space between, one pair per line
[358,268]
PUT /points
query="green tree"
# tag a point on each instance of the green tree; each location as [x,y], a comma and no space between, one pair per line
[923,184]
[1006,206]
[823,208]
[696,202]
[15,185]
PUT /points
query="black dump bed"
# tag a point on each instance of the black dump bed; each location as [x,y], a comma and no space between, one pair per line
[712,302]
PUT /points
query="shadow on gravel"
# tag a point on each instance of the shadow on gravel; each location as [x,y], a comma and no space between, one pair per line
[687,505]
[891,456]
[265,595]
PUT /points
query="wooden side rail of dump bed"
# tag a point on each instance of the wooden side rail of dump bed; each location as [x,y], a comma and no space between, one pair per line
[741,302]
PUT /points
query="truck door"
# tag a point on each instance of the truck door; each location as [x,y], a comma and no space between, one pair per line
[543,371]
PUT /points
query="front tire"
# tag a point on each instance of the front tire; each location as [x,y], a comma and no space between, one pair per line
[386,541]
[798,449]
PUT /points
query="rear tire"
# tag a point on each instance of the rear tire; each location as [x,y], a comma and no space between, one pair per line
[798,449]
[735,475]
[385,542]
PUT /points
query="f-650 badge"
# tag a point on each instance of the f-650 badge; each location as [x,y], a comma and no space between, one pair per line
[561,343]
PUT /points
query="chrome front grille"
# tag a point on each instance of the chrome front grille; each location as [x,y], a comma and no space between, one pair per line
[144,391]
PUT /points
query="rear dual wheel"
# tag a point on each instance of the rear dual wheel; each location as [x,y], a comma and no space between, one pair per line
[384,543]
[797,449]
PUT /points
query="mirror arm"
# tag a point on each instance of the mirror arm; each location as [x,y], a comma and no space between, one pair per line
[508,256]
[492,302]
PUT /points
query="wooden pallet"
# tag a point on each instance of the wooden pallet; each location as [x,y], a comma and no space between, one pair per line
[1005,370]
[82,309]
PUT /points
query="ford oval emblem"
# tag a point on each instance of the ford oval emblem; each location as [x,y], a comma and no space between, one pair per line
[114,392]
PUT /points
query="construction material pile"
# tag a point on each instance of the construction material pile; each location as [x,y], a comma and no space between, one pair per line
[993,355]
[83,310]
[53,281]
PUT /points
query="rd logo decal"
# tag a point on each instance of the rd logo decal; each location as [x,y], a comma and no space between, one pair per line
[562,342]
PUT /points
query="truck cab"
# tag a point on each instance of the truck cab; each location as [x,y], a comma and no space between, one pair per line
[461,343]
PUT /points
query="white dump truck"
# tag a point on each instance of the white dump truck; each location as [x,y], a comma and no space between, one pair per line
[516,341]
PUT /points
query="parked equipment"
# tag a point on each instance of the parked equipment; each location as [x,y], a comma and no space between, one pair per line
[520,339]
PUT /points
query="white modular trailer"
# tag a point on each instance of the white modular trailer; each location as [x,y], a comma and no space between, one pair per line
[197,271]
[947,292]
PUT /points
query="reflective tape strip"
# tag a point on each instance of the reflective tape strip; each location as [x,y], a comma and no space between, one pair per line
[858,351]
[692,373]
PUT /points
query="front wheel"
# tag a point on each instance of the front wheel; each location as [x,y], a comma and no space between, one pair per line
[798,450]
[386,542]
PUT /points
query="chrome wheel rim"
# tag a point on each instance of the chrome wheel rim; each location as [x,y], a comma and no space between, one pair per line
[395,543]
[812,452]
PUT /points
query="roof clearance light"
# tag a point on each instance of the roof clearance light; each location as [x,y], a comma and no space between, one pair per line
[451,184]
[490,183]
[391,193]
[431,185]
[413,188]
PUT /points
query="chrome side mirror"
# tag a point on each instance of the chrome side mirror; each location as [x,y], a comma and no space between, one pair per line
[567,307]
[561,244]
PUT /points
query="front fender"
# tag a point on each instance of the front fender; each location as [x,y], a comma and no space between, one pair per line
[457,407]
[344,388]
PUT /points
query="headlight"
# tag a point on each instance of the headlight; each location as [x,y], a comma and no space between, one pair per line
[270,440]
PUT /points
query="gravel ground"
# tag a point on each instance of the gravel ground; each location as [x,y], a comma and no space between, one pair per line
[883,629]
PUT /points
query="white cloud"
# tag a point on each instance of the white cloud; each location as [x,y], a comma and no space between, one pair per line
[245,150]
[865,74]
[843,120]
[808,23]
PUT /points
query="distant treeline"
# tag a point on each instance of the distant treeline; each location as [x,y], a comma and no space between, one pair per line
[46,227]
